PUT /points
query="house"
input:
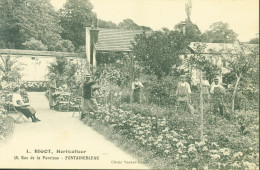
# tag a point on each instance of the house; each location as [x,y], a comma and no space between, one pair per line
[108,40]
[216,53]
[118,40]
[34,64]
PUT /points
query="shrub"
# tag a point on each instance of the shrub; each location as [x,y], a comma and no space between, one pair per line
[64,46]
[162,92]
[33,44]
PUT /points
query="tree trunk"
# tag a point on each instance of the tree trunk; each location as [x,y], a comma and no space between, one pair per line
[234,92]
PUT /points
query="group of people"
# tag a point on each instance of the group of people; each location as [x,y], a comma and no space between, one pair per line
[214,92]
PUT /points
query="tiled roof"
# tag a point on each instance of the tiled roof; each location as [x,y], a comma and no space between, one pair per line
[36,53]
[116,39]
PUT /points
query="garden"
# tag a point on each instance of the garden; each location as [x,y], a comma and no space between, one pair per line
[164,138]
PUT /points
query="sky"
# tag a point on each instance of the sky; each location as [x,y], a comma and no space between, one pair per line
[241,15]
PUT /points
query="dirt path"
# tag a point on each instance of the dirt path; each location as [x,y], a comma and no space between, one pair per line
[61,131]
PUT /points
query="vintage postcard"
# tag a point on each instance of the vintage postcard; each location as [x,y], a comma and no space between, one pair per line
[129,84]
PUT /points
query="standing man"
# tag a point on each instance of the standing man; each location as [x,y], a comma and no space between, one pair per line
[52,88]
[137,87]
[90,103]
[217,91]
[183,92]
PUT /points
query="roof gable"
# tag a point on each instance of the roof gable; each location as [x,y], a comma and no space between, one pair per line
[116,39]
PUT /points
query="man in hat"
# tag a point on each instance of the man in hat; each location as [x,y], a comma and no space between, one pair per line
[90,103]
[19,105]
[217,91]
[183,92]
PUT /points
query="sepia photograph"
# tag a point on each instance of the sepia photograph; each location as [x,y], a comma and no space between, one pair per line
[129,84]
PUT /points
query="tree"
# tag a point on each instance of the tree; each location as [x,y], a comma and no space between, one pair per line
[241,61]
[192,31]
[9,69]
[33,44]
[106,24]
[129,24]
[158,52]
[220,33]
[75,16]
[64,46]
[63,71]
[254,40]
[22,20]
[203,62]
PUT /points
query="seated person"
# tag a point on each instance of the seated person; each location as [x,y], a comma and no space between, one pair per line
[19,105]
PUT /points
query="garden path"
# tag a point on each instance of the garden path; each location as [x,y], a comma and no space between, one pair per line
[61,131]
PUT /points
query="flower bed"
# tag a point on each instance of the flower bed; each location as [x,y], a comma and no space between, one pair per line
[176,141]
[6,127]
[34,86]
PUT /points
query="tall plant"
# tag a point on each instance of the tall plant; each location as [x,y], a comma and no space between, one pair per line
[9,69]
[63,71]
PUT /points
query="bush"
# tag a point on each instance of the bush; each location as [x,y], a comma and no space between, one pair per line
[162,92]
[33,44]
[64,46]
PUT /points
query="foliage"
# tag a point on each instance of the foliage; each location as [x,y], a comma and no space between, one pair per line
[6,122]
[22,20]
[131,25]
[254,40]
[176,142]
[242,61]
[162,92]
[202,62]
[108,57]
[64,46]
[33,44]
[158,52]
[106,24]
[220,32]
[75,16]
[192,31]
[63,71]
[9,69]
[122,67]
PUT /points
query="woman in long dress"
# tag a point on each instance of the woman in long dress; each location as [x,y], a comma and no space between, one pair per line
[19,105]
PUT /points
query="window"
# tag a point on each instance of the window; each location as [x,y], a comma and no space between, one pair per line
[33,58]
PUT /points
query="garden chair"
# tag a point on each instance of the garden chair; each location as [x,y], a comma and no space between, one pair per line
[63,102]
[77,105]
[20,116]
[12,108]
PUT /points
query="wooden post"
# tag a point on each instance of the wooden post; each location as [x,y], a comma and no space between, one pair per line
[201,110]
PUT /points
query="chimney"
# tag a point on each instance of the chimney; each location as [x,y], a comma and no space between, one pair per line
[183,27]
[91,40]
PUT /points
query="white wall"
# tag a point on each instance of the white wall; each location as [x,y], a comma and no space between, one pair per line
[35,68]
